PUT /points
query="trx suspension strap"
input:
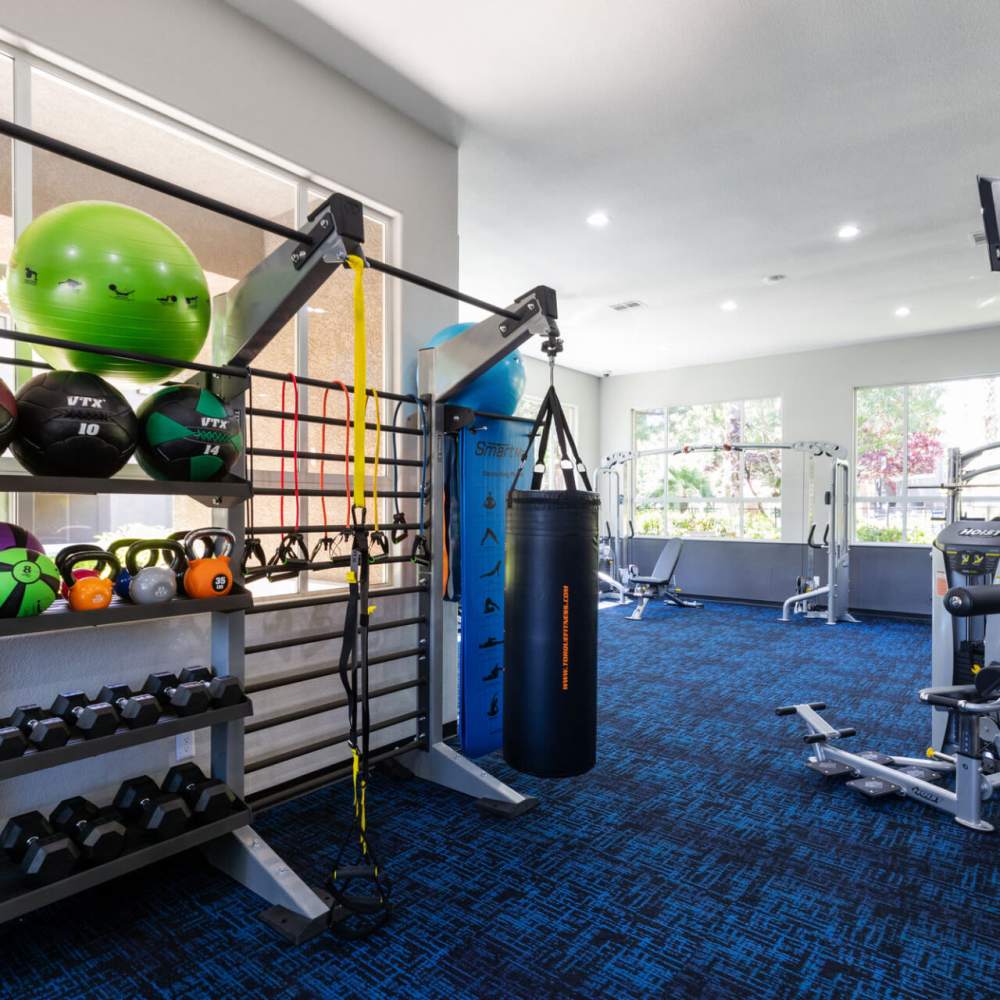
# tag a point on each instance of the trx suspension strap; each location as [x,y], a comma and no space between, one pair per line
[357,882]
[421,552]
[378,544]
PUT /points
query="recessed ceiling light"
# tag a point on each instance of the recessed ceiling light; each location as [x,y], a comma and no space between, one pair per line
[848,231]
[903,311]
[983,303]
[598,219]
[773,279]
[728,306]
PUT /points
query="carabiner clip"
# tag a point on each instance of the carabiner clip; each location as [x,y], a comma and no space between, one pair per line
[253,549]
[399,532]
[377,540]
[421,552]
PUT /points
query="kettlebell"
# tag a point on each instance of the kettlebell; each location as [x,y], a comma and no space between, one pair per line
[152,584]
[78,574]
[179,536]
[123,578]
[90,593]
[208,575]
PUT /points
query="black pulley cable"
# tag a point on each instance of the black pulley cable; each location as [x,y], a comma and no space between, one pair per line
[399,530]
[421,552]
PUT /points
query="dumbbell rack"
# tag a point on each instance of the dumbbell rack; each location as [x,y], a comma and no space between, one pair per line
[230,843]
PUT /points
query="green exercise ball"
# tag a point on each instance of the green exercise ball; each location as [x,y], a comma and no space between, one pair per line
[105,274]
[29,582]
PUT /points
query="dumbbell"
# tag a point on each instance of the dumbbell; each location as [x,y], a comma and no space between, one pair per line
[208,798]
[189,698]
[222,691]
[43,732]
[135,710]
[12,743]
[99,834]
[91,718]
[159,814]
[29,841]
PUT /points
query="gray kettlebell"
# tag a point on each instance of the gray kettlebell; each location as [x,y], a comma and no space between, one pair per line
[153,584]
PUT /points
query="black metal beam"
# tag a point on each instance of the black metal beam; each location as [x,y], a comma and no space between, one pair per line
[269,684]
[303,751]
[266,647]
[321,708]
[317,601]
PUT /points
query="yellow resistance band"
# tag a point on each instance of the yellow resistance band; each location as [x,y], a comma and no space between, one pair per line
[357,265]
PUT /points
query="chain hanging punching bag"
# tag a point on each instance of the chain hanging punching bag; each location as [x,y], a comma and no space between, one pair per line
[550,614]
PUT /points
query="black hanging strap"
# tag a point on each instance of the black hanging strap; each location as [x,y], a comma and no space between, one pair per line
[550,414]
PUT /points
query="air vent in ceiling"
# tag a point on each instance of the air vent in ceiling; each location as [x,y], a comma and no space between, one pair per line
[978,239]
[626,305]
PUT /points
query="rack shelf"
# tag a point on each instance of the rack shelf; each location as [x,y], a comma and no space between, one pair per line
[18,896]
[224,493]
[80,749]
[59,616]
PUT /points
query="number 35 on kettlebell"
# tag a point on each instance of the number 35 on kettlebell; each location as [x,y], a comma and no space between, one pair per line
[209,573]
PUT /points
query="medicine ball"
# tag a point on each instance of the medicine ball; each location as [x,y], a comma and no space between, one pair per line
[8,416]
[29,582]
[13,536]
[73,424]
[188,434]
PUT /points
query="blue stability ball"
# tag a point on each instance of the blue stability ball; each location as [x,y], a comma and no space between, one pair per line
[497,390]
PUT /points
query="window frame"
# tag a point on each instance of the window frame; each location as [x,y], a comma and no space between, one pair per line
[669,499]
[188,127]
[902,499]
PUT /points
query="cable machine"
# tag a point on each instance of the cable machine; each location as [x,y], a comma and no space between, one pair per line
[835,542]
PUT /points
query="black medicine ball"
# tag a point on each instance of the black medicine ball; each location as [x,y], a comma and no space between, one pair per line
[73,424]
[8,416]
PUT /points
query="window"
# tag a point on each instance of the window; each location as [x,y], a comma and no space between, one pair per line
[528,407]
[711,491]
[902,437]
[319,342]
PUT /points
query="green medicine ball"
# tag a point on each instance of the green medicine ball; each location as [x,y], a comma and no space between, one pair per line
[187,434]
[105,274]
[29,582]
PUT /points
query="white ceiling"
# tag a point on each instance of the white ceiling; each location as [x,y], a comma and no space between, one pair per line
[727,140]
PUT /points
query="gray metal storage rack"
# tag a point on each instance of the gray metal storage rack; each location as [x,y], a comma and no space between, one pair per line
[19,895]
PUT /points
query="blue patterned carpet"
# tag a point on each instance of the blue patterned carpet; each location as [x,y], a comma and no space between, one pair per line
[699,859]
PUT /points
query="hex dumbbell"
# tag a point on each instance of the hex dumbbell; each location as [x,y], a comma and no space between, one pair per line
[30,842]
[135,710]
[158,814]
[42,731]
[12,743]
[222,691]
[208,798]
[189,698]
[99,834]
[91,718]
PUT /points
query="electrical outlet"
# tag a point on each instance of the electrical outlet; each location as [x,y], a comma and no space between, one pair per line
[185,746]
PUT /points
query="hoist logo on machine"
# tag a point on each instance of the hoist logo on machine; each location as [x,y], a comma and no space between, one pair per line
[980,532]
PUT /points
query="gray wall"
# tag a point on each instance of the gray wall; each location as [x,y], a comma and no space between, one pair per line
[211,62]
[894,579]
[575,389]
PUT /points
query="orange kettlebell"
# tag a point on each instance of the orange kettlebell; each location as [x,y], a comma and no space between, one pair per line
[90,593]
[208,574]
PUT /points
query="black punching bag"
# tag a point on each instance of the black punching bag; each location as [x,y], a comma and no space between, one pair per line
[550,624]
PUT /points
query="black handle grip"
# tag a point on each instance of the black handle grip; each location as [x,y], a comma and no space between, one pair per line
[964,602]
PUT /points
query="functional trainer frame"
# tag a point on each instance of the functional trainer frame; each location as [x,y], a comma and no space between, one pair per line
[255,310]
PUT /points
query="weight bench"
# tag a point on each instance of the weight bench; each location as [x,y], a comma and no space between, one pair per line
[657,584]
